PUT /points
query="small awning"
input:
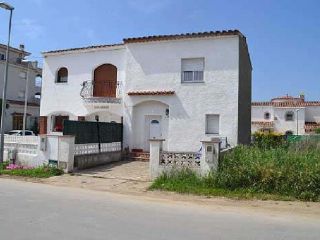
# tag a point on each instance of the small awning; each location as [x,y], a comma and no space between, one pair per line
[151,92]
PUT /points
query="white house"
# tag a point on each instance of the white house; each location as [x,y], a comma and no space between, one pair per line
[287,115]
[16,86]
[182,88]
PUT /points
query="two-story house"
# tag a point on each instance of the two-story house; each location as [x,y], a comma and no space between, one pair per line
[287,115]
[16,88]
[182,88]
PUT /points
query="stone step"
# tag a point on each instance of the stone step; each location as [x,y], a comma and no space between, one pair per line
[139,156]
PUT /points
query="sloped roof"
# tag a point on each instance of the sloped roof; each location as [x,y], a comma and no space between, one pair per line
[154,38]
[287,104]
[182,36]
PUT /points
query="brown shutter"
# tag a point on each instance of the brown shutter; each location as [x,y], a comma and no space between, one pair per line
[81,118]
[43,125]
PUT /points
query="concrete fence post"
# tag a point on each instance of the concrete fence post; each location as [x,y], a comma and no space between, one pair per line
[66,153]
[155,149]
[59,150]
[210,156]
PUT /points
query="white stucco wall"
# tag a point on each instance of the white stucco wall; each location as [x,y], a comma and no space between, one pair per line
[32,111]
[258,112]
[64,98]
[157,65]
[16,84]
[312,114]
[154,66]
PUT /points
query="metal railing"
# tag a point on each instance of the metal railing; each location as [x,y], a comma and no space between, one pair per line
[87,91]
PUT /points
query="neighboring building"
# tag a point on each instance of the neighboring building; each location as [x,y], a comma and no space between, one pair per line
[287,115]
[182,88]
[16,85]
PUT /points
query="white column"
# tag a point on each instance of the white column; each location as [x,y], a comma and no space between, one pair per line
[66,153]
[154,165]
[210,156]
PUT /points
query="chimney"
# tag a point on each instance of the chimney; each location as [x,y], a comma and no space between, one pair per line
[301,96]
[21,47]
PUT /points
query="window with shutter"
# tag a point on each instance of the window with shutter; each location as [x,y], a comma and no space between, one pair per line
[212,124]
[192,69]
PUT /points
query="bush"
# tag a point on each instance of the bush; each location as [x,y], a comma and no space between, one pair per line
[269,140]
[317,131]
[39,172]
[292,171]
[286,172]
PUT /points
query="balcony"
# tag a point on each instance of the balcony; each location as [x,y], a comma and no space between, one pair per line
[101,92]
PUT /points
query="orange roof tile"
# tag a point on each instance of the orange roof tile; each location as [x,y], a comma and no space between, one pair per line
[182,36]
[311,126]
[263,123]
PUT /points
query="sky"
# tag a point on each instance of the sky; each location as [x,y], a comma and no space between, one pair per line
[283,35]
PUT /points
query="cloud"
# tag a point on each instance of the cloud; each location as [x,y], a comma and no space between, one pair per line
[147,6]
[29,28]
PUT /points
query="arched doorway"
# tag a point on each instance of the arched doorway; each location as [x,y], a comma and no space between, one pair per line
[105,81]
[149,121]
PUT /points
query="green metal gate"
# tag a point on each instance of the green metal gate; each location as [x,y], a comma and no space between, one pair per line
[93,132]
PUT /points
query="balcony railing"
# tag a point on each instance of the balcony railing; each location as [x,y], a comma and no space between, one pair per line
[90,94]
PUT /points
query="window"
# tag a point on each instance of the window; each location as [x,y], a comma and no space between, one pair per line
[2,56]
[38,81]
[192,70]
[266,115]
[62,75]
[212,124]
[289,116]
[57,123]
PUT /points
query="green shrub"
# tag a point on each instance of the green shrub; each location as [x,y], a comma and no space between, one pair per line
[269,140]
[39,172]
[317,131]
[3,165]
[289,172]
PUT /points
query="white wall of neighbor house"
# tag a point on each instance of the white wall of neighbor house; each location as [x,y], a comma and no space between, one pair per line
[312,114]
[17,82]
[278,116]
[258,112]
[157,66]
[80,65]
[32,111]
[282,125]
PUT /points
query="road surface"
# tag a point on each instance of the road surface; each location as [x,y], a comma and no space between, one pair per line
[30,211]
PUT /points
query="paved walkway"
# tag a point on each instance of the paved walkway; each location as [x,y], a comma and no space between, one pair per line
[125,176]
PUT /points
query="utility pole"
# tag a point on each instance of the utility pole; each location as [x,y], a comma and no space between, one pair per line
[5,80]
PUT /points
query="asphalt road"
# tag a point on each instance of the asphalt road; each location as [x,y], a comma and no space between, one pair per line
[38,211]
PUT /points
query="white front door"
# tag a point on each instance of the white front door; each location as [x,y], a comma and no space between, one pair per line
[152,129]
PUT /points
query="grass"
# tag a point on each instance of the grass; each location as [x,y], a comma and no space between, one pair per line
[39,172]
[280,173]
[187,182]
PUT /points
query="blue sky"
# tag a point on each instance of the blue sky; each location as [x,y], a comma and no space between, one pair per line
[283,35]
